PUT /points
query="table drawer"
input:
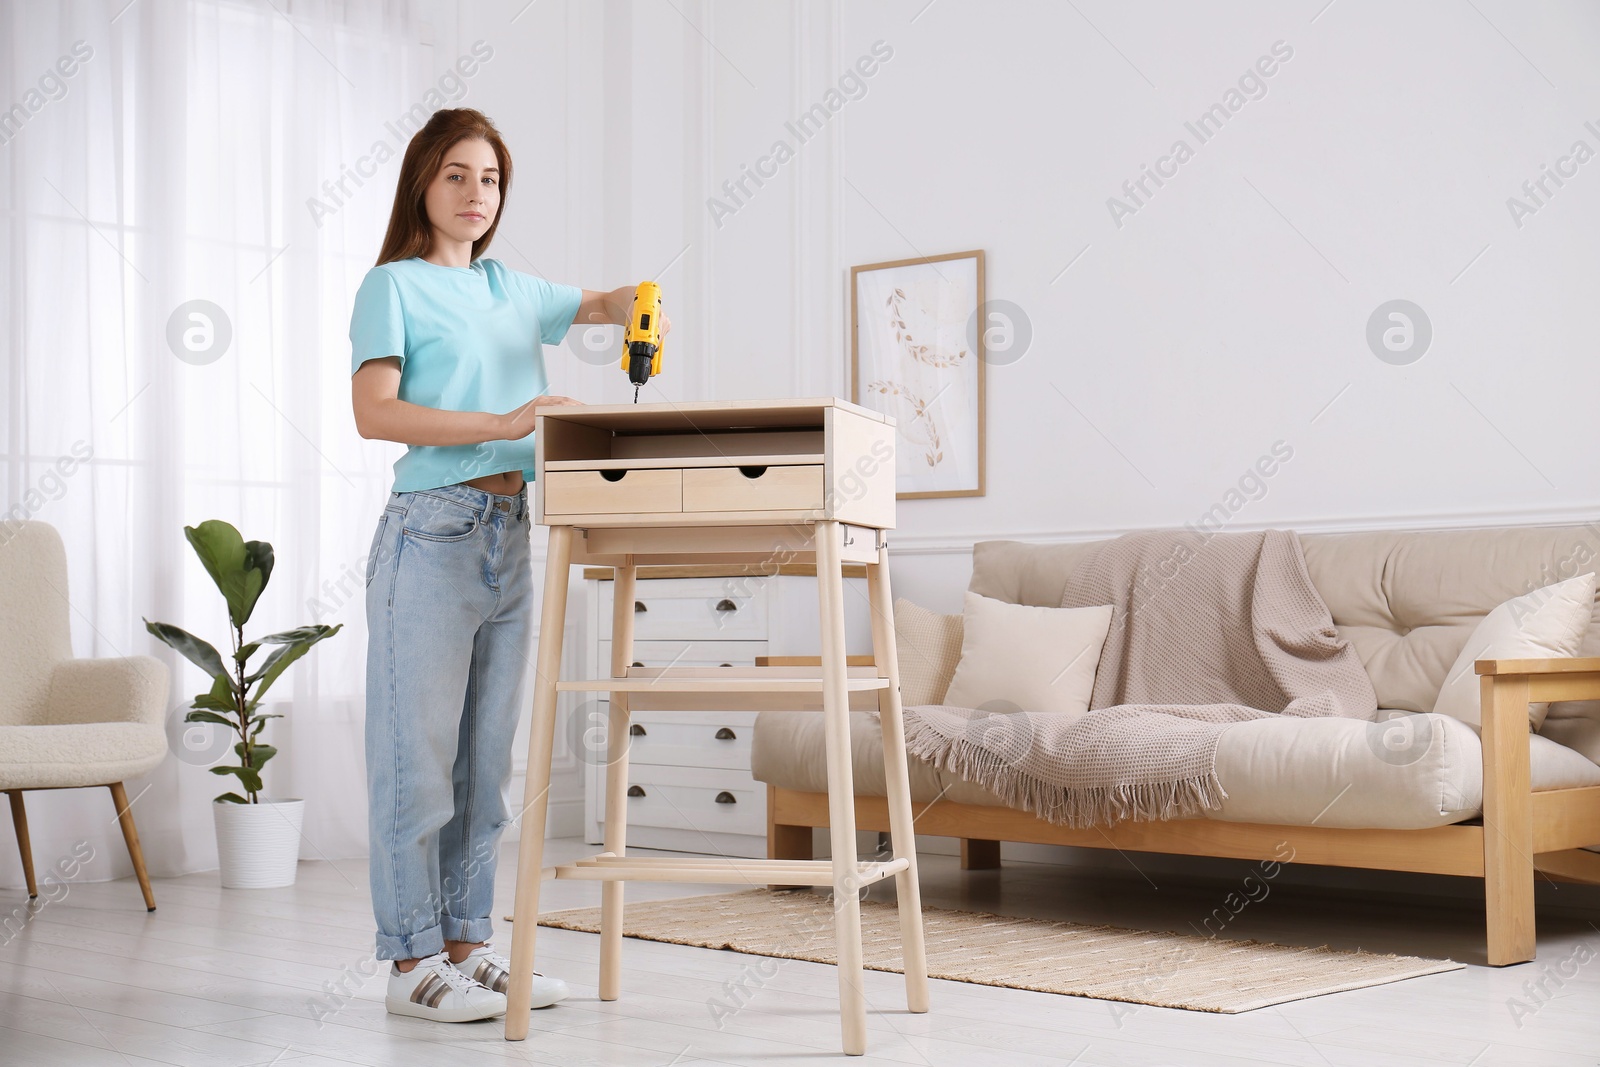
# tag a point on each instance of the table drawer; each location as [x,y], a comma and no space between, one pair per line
[613,492]
[785,488]
[696,798]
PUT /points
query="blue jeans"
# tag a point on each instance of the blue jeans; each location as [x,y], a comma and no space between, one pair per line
[449,620]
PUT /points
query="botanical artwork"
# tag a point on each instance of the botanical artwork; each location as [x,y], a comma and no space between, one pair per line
[917,358]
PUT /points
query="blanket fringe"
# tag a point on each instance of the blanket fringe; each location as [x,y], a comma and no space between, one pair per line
[1078,809]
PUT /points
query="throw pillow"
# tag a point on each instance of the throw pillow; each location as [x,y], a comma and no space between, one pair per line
[1035,659]
[1546,622]
[929,645]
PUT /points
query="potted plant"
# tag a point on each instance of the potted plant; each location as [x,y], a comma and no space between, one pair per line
[258,840]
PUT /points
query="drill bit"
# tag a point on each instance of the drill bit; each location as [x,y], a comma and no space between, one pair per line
[636,394]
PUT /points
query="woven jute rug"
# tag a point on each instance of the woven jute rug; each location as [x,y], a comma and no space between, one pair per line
[1162,969]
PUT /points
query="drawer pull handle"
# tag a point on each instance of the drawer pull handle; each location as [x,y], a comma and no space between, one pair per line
[726,797]
[638,606]
[613,475]
[636,663]
[726,734]
[636,790]
[752,472]
[636,730]
[726,605]
[724,664]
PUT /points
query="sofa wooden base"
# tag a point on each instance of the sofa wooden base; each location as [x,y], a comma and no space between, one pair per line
[1562,821]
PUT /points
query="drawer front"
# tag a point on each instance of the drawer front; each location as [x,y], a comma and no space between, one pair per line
[794,488]
[612,492]
[727,609]
[739,721]
[688,654]
[708,742]
[685,798]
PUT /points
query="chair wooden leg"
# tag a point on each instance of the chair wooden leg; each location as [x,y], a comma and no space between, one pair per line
[841,789]
[897,776]
[130,834]
[19,820]
[979,855]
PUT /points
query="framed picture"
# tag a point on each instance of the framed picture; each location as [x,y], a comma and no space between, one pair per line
[916,354]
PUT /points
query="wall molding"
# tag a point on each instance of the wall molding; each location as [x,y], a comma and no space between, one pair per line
[945,543]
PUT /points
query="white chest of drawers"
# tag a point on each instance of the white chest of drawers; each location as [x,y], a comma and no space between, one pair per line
[689,782]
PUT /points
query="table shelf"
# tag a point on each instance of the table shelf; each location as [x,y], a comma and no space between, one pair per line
[611,868]
[710,684]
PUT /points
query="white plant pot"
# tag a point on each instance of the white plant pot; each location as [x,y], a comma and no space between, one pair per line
[258,845]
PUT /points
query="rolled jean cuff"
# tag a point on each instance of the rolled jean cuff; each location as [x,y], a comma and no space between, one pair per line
[417,946]
[470,930]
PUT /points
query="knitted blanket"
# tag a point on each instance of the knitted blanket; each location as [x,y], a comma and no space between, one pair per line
[1207,630]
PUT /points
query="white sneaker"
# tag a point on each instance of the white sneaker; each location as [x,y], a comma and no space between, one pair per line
[433,989]
[488,967]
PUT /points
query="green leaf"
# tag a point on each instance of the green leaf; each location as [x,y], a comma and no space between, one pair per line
[246,651]
[258,554]
[249,777]
[233,798]
[196,651]
[299,633]
[211,703]
[240,571]
[206,716]
[259,754]
[280,660]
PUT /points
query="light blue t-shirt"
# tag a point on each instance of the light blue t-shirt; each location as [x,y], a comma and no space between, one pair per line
[469,339]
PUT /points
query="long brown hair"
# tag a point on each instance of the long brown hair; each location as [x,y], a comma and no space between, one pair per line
[410,234]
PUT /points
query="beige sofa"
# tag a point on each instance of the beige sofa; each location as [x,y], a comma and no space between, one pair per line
[1414,792]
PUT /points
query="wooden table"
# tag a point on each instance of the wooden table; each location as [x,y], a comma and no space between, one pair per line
[763,483]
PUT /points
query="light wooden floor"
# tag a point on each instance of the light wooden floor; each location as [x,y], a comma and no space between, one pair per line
[220,978]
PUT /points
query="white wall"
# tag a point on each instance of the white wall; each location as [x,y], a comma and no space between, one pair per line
[1228,313]
[1223,316]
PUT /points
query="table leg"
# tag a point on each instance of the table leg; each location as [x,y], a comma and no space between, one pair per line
[536,788]
[902,830]
[617,741]
[841,787]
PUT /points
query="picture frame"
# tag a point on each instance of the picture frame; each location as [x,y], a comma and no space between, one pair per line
[916,353]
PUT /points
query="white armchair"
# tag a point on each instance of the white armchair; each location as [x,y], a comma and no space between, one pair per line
[68,723]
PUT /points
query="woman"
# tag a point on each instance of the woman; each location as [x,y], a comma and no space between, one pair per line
[447,359]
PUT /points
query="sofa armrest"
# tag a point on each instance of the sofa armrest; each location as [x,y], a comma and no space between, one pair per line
[1549,679]
[133,689]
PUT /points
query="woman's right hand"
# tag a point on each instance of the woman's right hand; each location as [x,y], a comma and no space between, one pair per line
[519,423]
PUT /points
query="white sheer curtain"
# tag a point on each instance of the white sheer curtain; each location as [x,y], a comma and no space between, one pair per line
[179,161]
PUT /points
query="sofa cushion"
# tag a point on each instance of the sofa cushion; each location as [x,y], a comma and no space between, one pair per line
[1547,622]
[1408,771]
[1020,657]
[929,647]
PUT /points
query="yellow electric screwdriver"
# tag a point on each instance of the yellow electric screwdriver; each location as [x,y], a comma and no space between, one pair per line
[642,341]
